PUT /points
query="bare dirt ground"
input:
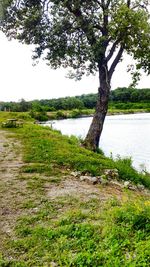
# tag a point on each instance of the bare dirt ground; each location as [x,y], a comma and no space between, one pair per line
[12,190]
[76,188]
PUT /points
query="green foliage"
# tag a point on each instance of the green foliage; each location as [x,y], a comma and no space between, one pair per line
[39,116]
[146,180]
[78,33]
[131,95]
[76,113]
[121,98]
[21,106]
[126,172]
[60,115]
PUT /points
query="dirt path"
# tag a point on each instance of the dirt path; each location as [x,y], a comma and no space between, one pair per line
[12,190]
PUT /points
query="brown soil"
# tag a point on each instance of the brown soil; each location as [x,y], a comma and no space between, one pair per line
[12,190]
[74,187]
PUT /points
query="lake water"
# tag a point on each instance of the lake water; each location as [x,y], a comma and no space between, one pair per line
[124,135]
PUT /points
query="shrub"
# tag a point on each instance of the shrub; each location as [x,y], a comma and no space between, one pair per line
[76,113]
[40,116]
[60,115]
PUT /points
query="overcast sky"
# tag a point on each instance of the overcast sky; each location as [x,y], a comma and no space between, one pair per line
[19,79]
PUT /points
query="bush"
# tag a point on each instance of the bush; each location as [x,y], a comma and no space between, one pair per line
[40,116]
[60,115]
[76,113]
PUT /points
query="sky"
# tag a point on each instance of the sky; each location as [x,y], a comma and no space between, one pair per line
[20,79]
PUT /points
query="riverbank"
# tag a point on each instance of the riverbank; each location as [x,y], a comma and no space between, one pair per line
[51,216]
[64,114]
[70,114]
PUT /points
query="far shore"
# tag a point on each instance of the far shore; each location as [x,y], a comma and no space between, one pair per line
[68,115]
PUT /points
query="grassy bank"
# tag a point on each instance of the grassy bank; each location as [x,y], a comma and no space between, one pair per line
[97,225]
[25,116]
[77,113]
[66,114]
[46,146]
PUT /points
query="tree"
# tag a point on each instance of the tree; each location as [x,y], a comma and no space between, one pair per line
[86,35]
[24,105]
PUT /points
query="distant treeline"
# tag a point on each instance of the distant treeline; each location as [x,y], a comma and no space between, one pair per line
[119,98]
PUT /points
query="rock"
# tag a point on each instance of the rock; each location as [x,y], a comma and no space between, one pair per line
[35,210]
[111,173]
[76,173]
[53,264]
[103,181]
[127,184]
[89,179]
[116,183]
[140,187]
[132,187]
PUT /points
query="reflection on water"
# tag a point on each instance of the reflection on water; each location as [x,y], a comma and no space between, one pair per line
[124,135]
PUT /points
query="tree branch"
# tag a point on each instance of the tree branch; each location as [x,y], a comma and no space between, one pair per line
[100,3]
[46,4]
[85,25]
[104,8]
[115,62]
[112,50]
[128,3]
[108,3]
[98,27]
[103,5]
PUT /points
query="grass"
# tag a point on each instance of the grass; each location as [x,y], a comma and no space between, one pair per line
[70,231]
[15,115]
[117,236]
[45,148]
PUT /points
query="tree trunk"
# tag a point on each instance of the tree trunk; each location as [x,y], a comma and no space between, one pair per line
[93,137]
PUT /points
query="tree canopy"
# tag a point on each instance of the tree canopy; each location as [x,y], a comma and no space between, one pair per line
[77,33]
